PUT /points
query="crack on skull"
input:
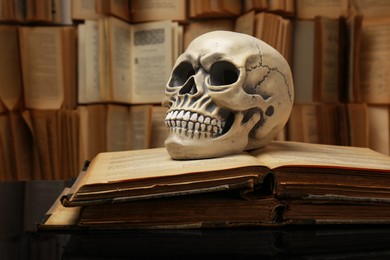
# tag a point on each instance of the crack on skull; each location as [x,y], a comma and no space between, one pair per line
[196,124]
[250,68]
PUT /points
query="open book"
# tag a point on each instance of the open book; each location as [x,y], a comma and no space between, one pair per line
[284,182]
[290,169]
[117,60]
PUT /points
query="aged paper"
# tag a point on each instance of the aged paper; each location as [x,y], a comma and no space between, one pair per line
[375,61]
[42,67]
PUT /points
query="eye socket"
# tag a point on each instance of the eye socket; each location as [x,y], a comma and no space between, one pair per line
[181,74]
[223,73]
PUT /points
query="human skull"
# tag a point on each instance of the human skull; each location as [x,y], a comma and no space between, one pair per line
[228,92]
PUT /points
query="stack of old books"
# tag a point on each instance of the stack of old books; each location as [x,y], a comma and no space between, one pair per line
[284,183]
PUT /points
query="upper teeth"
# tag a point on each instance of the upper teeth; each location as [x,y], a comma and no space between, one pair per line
[193,122]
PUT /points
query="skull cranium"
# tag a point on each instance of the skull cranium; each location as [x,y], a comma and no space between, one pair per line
[228,92]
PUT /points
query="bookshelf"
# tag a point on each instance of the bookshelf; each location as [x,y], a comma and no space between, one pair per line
[85,76]
[54,119]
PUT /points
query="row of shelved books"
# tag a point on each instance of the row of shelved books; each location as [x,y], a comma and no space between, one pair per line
[340,64]
[42,69]
[108,60]
[342,59]
[349,124]
[66,12]
[80,70]
[54,144]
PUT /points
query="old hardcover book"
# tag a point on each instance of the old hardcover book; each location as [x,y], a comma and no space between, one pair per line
[48,56]
[11,72]
[119,9]
[158,10]
[284,169]
[285,183]
[378,128]
[226,209]
[12,11]
[318,60]
[306,9]
[221,8]
[196,28]
[49,11]
[373,61]
[116,61]
[84,10]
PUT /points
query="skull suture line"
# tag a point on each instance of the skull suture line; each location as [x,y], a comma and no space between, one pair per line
[228,92]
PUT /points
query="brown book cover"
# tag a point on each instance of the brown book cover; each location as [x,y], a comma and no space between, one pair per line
[281,184]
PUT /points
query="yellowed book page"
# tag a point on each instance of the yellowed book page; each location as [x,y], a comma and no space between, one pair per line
[259,25]
[150,163]
[310,124]
[97,122]
[37,172]
[10,72]
[302,125]
[39,10]
[358,122]
[119,51]
[84,10]
[159,128]
[328,66]
[199,27]
[69,54]
[41,140]
[83,134]
[272,25]
[118,128]
[294,124]
[88,64]
[105,84]
[278,154]
[245,23]
[42,66]
[68,141]
[62,12]
[60,215]
[375,61]
[230,7]
[287,42]
[22,142]
[151,61]
[177,41]
[54,133]
[119,8]
[156,10]
[378,128]
[75,126]
[303,61]
[370,8]
[141,126]
[308,9]
[82,96]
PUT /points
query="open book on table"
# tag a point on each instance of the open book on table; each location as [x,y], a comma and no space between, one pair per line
[282,183]
[284,169]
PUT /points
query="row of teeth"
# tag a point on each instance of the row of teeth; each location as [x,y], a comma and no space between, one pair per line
[193,122]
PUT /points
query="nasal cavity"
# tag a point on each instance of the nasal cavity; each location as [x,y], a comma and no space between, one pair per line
[189,87]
